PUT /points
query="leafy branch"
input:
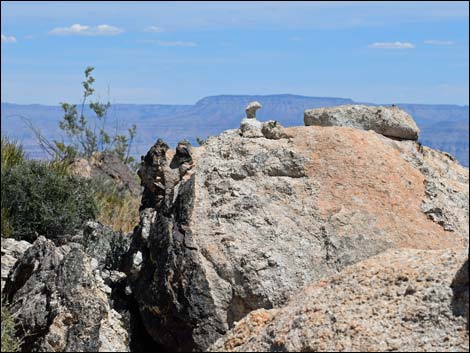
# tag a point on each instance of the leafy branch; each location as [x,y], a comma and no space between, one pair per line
[84,140]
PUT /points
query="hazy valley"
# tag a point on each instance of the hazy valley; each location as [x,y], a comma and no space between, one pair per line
[443,127]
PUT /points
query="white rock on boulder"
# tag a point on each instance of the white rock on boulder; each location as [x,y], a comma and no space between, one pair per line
[388,121]
[251,109]
[251,128]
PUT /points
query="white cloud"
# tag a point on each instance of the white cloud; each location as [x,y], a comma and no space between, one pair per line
[438,42]
[108,30]
[78,29]
[8,39]
[73,29]
[154,29]
[392,45]
[295,39]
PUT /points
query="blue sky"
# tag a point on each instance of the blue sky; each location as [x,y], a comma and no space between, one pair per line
[179,52]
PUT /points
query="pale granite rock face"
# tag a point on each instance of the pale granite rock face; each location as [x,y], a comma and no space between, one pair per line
[446,200]
[402,300]
[248,222]
[388,121]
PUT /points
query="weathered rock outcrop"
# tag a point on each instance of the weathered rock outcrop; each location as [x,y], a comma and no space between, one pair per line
[243,223]
[12,250]
[389,121]
[401,300]
[61,300]
[106,166]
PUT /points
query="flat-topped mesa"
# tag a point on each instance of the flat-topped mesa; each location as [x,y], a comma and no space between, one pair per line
[388,121]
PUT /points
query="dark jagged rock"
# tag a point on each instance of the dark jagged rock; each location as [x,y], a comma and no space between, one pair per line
[162,259]
[62,302]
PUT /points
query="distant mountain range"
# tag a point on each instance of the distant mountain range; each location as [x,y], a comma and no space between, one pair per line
[443,127]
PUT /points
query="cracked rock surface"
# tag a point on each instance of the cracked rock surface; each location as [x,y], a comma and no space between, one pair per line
[242,223]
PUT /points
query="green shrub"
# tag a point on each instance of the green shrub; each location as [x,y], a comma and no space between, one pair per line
[10,343]
[43,200]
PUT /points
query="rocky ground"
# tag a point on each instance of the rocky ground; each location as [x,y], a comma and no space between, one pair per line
[401,300]
[107,167]
[265,238]
[63,296]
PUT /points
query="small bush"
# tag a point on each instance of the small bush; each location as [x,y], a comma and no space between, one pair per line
[10,343]
[44,200]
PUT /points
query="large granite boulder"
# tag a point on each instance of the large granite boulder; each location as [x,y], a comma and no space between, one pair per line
[243,223]
[62,303]
[402,300]
[388,121]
